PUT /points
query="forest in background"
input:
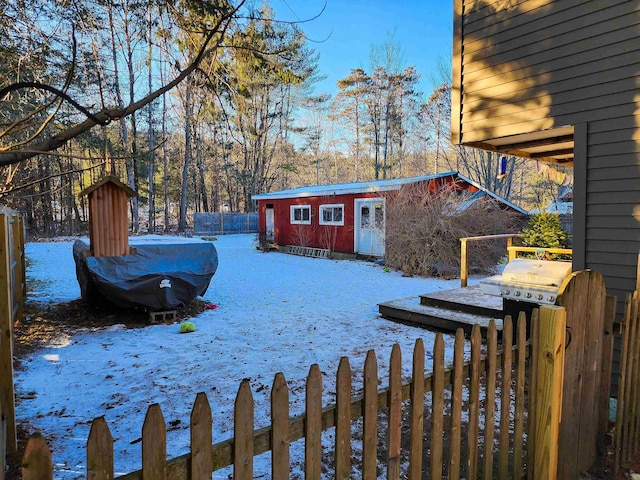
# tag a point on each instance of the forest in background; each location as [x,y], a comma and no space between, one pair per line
[199,104]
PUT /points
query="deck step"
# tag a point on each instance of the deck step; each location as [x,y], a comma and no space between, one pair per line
[410,310]
[468,300]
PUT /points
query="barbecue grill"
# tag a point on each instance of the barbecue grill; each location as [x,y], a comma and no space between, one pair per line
[528,280]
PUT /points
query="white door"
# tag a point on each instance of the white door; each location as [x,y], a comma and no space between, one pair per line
[369,227]
[270,222]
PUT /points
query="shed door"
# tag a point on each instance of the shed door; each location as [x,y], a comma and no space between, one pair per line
[270,221]
[369,226]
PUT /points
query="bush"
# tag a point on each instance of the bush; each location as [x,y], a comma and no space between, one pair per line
[424,230]
[544,230]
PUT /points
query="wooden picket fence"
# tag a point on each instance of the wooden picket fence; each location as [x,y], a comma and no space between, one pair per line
[12,295]
[496,386]
[627,432]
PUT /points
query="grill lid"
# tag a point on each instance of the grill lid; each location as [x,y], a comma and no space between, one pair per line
[536,272]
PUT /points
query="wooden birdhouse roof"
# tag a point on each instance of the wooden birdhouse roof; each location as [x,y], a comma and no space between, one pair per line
[108,179]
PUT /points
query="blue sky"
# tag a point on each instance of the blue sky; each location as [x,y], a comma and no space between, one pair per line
[422,28]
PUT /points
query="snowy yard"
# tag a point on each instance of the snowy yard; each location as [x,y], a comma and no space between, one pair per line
[277,313]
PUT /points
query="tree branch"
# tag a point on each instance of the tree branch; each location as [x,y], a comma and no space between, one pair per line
[107,115]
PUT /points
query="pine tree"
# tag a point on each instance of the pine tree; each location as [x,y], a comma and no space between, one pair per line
[544,230]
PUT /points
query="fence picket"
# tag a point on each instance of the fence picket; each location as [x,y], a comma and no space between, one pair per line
[280,428]
[623,387]
[630,390]
[505,398]
[201,438]
[437,408]
[313,426]
[243,433]
[370,418]
[456,405]
[490,402]
[518,429]
[531,412]
[99,451]
[605,371]
[154,445]
[343,420]
[417,412]
[474,403]
[635,406]
[395,413]
[36,461]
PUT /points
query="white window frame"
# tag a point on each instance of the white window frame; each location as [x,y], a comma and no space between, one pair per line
[301,208]
[331,206]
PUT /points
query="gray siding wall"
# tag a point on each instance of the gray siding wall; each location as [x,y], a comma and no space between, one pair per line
[529,65]
[532,65]
[525,65]
[613,202]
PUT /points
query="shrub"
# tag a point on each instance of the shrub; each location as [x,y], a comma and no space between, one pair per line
[544,230]
[424,230]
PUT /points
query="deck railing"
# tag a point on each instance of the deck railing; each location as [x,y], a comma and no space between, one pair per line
[464,251]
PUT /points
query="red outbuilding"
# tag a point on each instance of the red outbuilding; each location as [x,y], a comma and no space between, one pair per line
[348,217]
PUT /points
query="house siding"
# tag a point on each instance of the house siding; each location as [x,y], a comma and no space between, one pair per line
[533,65]
[613,202]
[335,238]
[522,66]
[537,65]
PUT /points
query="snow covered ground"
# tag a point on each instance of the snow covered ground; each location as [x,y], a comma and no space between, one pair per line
[277,313]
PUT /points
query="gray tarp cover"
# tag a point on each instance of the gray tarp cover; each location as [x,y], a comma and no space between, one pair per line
[157,277]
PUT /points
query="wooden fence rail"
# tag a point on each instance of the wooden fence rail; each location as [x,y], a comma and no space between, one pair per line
[471,399]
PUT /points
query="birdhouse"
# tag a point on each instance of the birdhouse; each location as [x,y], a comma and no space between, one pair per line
[108,219]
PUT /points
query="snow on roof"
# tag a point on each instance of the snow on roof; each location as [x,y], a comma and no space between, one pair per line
[349,188]
[373,186]
[562,208]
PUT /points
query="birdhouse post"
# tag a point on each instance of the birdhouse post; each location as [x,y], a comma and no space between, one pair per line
[108,219]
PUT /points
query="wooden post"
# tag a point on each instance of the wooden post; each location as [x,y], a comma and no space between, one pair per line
[7,394]
[18,273]
[464,265]
[552,325]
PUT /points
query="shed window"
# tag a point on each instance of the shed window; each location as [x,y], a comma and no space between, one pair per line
[332,214]
[301,214]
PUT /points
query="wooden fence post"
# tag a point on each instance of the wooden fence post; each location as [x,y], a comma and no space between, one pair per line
[550,374]
[464,262]
[7,394]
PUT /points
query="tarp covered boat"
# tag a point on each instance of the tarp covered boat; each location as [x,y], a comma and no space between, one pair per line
[154,277]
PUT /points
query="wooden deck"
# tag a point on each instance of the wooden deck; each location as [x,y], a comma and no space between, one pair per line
[446,310]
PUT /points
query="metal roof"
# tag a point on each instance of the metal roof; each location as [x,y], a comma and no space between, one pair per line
[372,187]
[348,188]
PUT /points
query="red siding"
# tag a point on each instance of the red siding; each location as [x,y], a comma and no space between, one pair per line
[335,238]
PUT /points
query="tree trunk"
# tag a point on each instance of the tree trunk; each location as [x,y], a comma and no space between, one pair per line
[182,224]
[152,210]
